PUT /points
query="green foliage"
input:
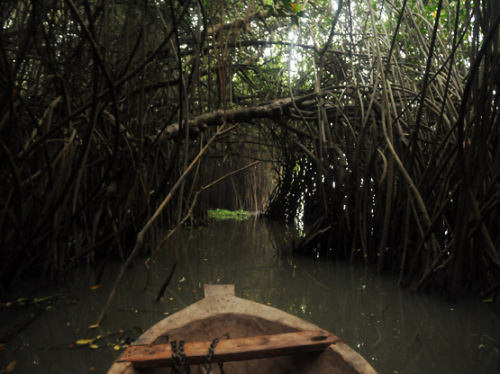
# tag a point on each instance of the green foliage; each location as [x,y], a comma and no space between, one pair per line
[223,214]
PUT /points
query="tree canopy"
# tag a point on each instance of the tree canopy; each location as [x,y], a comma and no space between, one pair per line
[376,123]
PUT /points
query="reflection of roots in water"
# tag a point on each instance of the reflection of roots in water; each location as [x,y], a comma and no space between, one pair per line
[416,356]
[379,338]
[413,362]
[316,282]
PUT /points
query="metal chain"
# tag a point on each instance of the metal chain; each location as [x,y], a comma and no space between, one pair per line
[211,350]
[175,358]
[221,364]
[183,360]
[179,362]
[210,355]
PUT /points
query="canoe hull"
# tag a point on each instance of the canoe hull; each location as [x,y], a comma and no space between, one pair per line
[222,315]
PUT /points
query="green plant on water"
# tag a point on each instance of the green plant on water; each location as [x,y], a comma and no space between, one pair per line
[221,214]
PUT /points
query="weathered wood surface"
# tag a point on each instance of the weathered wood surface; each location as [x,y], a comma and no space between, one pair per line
[221,313]
[249,348]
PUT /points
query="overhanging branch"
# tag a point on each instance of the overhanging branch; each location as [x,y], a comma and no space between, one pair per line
[274,110]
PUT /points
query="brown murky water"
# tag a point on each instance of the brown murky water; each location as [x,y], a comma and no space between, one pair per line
[397,331]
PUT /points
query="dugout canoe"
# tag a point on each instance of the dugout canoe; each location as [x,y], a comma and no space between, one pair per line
[226,332]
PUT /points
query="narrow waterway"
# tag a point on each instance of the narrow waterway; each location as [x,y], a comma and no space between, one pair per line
[396,331]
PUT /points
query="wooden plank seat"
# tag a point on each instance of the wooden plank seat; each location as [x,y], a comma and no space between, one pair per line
[249,348]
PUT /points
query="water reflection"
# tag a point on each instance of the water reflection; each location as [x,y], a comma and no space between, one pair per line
[398,332]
